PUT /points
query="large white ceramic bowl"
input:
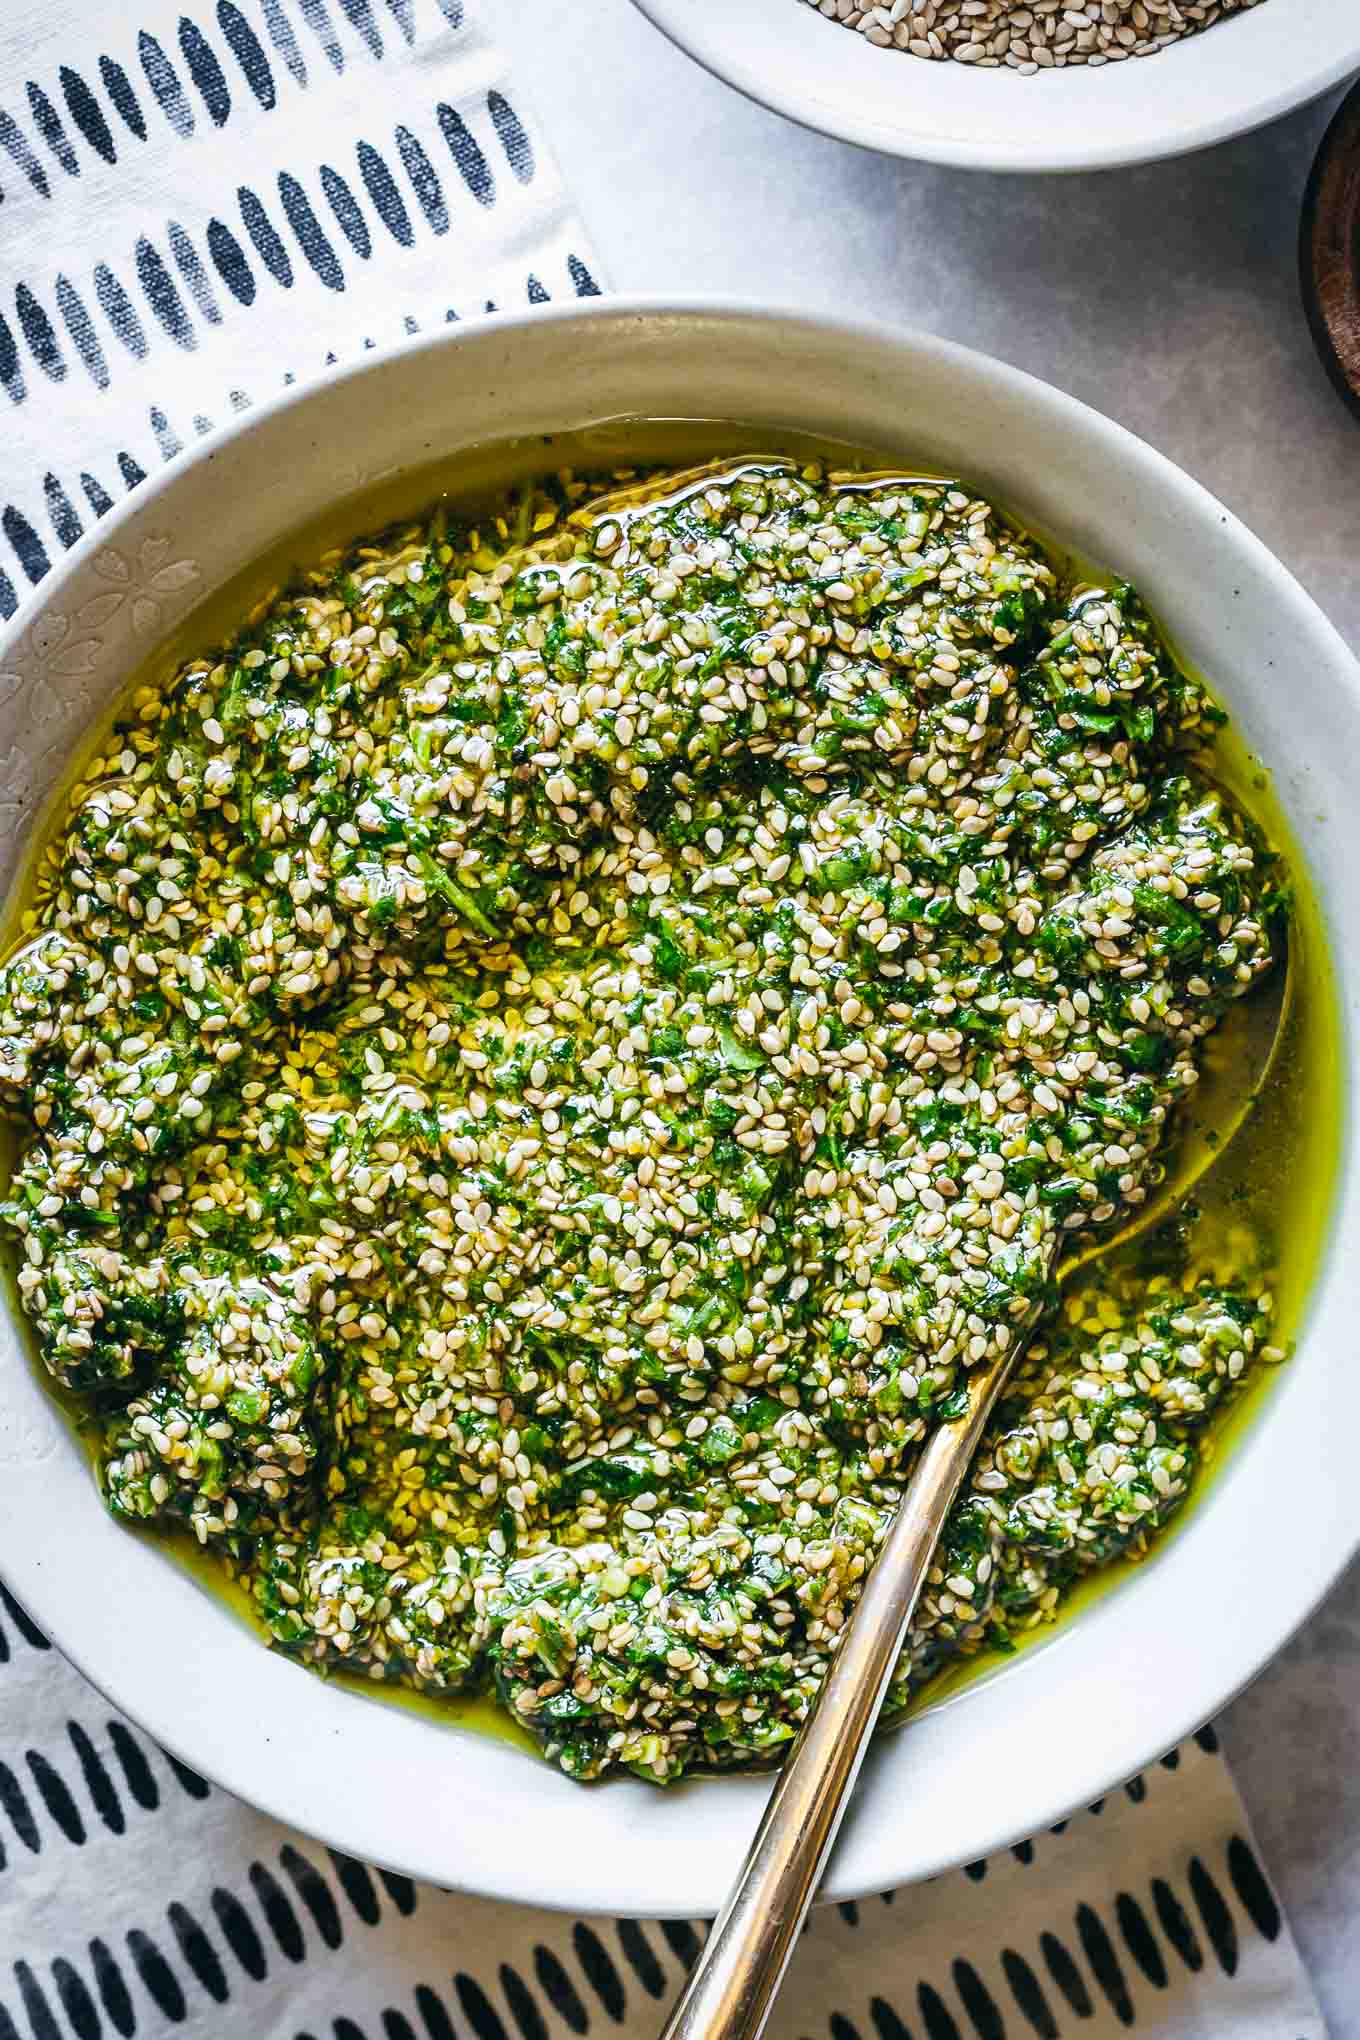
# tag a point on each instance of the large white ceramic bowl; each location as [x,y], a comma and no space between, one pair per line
[1154,1656]
[1247,70]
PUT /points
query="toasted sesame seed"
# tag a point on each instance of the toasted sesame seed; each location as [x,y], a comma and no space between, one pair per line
[1029,35]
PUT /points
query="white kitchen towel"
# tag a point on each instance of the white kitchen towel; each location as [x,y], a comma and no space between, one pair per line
[199,206]
[195,207]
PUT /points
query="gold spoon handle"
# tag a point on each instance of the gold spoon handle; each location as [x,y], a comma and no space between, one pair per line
[733,1984]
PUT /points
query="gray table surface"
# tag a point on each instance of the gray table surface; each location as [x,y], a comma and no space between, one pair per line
[1168,298]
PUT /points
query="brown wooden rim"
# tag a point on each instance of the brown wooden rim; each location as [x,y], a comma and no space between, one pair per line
[1329,250]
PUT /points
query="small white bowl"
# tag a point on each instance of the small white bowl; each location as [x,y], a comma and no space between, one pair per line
[1151,1658]
[1246,70]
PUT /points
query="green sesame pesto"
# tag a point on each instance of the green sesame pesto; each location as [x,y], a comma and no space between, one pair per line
[542,1064]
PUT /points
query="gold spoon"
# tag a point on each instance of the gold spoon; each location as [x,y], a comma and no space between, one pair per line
[733,1985]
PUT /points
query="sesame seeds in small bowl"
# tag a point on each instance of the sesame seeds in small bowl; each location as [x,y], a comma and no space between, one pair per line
[1024,85]
[1028,35]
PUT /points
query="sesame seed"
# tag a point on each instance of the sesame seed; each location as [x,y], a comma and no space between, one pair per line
[546,1060]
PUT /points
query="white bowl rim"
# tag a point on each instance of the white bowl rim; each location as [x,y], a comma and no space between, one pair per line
[699,31]
[243,1760]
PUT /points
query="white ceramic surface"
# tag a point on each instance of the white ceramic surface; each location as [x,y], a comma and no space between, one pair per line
[1246,71]
[1152,1658]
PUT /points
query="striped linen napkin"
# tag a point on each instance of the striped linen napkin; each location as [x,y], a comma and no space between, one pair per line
[196,207]
[137,1900]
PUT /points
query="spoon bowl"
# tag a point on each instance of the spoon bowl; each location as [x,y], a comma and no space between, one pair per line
[1237,1063]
